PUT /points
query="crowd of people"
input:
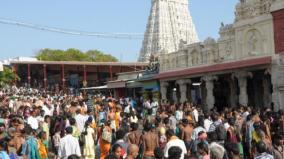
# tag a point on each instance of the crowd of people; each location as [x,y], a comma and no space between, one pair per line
[35,124]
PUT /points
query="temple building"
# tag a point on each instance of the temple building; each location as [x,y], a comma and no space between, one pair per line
[245,66]
[169,24]
[70,74]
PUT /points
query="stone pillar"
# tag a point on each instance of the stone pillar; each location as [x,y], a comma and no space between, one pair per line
[209,85]
[44,77]
[233,92]
[277,79]
[242,80]
[164,87]
[29,75]
[266,82]
[183,89]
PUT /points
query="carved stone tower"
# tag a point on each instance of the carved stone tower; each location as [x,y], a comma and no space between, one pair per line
[169,24]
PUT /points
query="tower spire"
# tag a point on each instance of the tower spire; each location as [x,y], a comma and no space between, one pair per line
[169,23]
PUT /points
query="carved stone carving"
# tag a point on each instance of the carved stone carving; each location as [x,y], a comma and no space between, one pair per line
[251,8]
[228,49]
[254,43]
[195,57]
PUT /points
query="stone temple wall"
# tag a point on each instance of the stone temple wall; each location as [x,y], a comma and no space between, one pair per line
[250,36]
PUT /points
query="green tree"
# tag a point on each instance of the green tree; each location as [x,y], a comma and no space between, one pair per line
[74,55]
[98,56]
[7,76]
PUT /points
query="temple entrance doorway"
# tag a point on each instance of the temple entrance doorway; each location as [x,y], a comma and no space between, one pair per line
[255,89]
[221,92]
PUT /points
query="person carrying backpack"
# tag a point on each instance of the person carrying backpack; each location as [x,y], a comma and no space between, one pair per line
[218,128]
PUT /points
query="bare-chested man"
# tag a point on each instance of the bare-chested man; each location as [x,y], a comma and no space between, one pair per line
[111,117]
[150,141]
[186,134]
[135,136]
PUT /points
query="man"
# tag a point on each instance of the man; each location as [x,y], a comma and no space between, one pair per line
[198,129]
[262,151]
[216,122]
[207,121]
[150,142]
[111,117]
[195,114]
[81,119]
[186,135]
[135,135]
[132,151]
[174,141]
[47,107]
[172,121]
[68,145]
[175,152]
[179,113]
[32,120]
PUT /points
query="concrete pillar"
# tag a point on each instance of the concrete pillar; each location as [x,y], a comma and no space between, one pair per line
[44,77]
[242,80]
[164,87]
[29,75]
[209,85]
[63,76]
[85,76]
[183,89]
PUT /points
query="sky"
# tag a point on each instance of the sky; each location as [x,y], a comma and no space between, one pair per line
[111,16]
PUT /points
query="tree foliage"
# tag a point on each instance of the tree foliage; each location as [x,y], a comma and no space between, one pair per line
[74,55]
[7,76]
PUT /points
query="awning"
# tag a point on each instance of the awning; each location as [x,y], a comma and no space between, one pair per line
[134,84]
[116,84]
[95,88]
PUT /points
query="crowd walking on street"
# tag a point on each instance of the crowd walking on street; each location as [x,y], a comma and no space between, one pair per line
[38,124]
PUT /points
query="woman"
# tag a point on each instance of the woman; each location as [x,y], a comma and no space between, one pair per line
[231,131]
[105,141]
[89,147]
[117,151]
[41,146]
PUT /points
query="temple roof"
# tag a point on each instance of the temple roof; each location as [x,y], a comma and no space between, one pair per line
[81,63]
